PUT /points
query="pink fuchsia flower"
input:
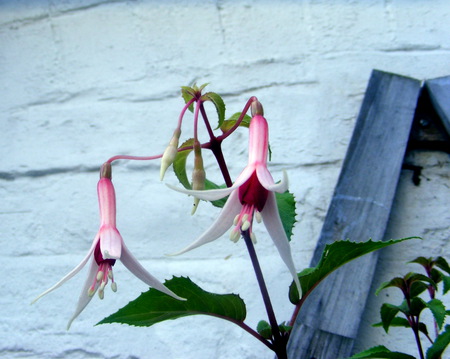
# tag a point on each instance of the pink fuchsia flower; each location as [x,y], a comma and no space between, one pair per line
[251,196]
[107,247]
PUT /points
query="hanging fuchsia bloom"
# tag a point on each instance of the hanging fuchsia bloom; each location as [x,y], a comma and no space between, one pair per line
[107,247]
[251,196]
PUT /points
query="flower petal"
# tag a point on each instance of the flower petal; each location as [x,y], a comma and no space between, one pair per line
[110,242]
[84,299]
[273,224]
[72,272]
[215,194]
[222,223]
[207,195]
[139,271]
[266,180]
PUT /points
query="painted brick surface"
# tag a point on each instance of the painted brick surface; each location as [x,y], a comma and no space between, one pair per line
[84,80]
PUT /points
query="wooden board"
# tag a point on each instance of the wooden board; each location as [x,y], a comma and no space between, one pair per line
[328,322]
[439,92]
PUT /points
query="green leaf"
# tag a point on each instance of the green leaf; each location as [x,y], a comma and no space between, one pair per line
[438,310]
[188,94]
[442,264]
[388,313]
[446,281]
[154,306]
[286,208]
[179,164]
[439,345]
[227,124]
[381,352]
[417,306]
[397,282]
[264,329]
[335,255]
[218,103]
[402,322]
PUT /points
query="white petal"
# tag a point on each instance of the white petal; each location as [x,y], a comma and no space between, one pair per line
[215,194]
[273,224]
[84,299]
[222,223]
[72,272]
[110,242]
[265,178]
[207,195]
[139,271]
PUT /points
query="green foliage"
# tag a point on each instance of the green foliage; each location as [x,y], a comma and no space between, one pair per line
[218,103]
[286,208]
[413,285]
[380,352]
[334,256]
[439,345]
[154,306]
[264,329]
[229,123]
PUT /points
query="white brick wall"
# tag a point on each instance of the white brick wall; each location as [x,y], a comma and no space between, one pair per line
[84,80]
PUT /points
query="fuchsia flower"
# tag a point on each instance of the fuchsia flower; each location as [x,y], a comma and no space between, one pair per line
[107,247]
[251,196]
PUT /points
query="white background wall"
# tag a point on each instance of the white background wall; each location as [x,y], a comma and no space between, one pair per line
[83,80]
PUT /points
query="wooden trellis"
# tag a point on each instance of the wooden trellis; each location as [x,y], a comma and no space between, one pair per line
[395,114]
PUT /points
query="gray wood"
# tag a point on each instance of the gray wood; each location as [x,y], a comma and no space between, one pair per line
[439,91]
[328,322]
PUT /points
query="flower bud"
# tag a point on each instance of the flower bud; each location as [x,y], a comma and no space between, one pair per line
[256,108]
[105,170]
[170,153]
[198,174]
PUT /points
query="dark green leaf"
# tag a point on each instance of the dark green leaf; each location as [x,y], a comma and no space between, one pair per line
[442,264]
[388,313]
[154,306]
[286,208]
[284,328]
[446,281]
[403,322]
[218,103]
[438,310]
[264,329]
[423,261]
[417,305]
[397,282]
[334,256]
[380,352]
[439,345]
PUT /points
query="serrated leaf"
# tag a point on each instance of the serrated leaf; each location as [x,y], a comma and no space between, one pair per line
[397,282]
[218,103]
[439,345]
[154,306]
[442,264]
[381,352]
[388,313]
[264,329]
[286,208]
[417,306]
[334,256]
[438,309]
[446,281]
[229,123]
[188,94]
[403,322]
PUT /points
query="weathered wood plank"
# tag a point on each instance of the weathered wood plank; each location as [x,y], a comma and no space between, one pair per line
[439,92]
[329,320]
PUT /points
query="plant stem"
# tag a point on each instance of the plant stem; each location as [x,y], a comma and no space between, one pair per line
[278,342]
